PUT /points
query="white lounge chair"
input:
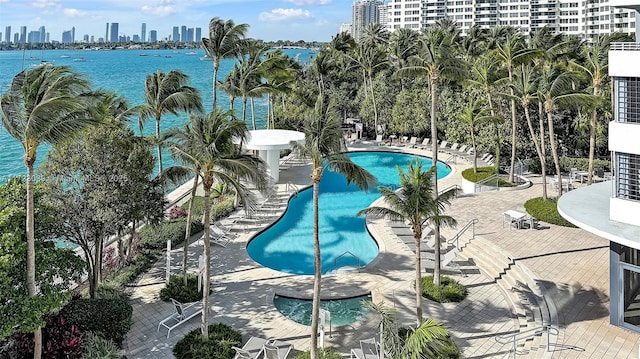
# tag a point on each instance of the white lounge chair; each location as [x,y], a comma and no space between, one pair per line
[379,141]
[251,349]
[277,349]
[413,142]
[368,350]
[425,144]
[183,312]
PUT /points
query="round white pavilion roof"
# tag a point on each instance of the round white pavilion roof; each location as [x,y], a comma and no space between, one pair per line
[273,139]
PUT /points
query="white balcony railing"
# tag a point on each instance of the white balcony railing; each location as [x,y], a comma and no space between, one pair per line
[625,46]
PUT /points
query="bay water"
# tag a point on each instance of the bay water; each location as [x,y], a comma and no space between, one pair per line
[124,72]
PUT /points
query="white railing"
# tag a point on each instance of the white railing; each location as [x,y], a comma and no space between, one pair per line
[625,46]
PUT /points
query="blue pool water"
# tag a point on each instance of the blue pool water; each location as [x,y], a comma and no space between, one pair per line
[288,245]
[343,311]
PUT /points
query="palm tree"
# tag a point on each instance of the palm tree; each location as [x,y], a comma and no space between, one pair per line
[231,85]
[473,43]
[512,53]
[375,34]
[472,115]
[250,70]
[167,93]
[436,61]
[47,104]
[208,145]
[324,146]
[416,204]
[525,89]
[226,39]
[370,59]
[403,43]
[595,65]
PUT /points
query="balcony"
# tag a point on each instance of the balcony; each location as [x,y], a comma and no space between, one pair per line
[627,4]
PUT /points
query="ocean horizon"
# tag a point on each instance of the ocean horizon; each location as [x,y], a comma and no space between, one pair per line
[124,72]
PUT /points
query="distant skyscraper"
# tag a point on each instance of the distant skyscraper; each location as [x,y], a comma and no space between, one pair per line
[114,32]
[143,32]
[7,34]
[176,34]
[364,13]
[153,36]
[85,38]
[190,34]
[183,34]
[106,34]
[73,34]
[23,34]
[198,34]
[136,38]
[66,37]
[33,37]
[43,34]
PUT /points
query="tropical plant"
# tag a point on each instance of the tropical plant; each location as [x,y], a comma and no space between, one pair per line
[436,61]
[47,104]
[250,70]
[323,145]
[472,116]
[211,144]
[225,41]
[416,204]
[370,59]
[167,93]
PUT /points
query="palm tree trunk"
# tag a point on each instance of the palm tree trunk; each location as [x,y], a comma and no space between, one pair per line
[31,251]
[216,65]
[473,145]
[434,139]
[514,128]
[373,101]
[253,114]
[416,238]
[187,232]
[159,146]
[497,132]
[592,138]
[535,142]
[554,151]
[543,150]
[204,325]
[244,108]
[316,176]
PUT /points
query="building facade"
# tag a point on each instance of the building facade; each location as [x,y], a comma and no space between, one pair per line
[114,32]
[610,209]
[364,12]
[584,18]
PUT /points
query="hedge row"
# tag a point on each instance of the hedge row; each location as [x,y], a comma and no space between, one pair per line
[110,318]
[220,207]
[546,211]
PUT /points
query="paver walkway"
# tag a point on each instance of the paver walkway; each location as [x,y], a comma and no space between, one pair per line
[572,262]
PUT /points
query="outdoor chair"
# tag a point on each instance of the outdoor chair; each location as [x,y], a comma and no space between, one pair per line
[368,350]
[183,312]
[251,349]
[425,144]
[277,349]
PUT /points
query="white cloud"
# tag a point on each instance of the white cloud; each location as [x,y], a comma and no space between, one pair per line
[4,0]
[164,8]
[309,2]
[284,14]
[44,3]
[75,13]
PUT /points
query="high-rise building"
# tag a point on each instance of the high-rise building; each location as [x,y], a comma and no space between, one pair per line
[33,37]
[190,34]
[16,38]
[175,37]
[73,34]
[23,34]
[43,34]
[114,32]
[136,38]
[183,34]
[143,32]
[106,34]
[586,19]
[198,34]
[85,38]
[153,36]
[364,13]
[7,34]
[67,37]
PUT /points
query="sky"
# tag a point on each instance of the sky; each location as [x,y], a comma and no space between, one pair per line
[269,20]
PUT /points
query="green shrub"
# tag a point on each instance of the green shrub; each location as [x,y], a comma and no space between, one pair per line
[546,211]
[483,173]
[445,348]
[323,353]
[221,338]
[220,207]
[582,164]
[139,264]
[111,318]
[177,290]
[109,291]
[156,237]
[448,291]
[95,346]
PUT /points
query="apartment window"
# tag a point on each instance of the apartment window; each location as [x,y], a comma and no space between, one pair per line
[524,7]
[627,179]
[627,94]
[524,22]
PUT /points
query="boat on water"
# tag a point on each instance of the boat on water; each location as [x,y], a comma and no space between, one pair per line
[206,58]
[80,59]
[190,53]
[143,54]
[64,56]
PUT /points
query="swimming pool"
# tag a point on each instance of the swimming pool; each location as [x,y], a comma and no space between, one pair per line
[343,311]
[287,245]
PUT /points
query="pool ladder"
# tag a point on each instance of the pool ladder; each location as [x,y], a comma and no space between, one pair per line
[290,187]
[347,253]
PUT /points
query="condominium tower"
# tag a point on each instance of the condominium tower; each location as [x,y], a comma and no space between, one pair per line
[585,18]
[364,13]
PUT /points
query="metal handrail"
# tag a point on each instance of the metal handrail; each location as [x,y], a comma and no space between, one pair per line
[335,261]
[452,157]
[530,333]
[456,238]
[289,186]
[450,188]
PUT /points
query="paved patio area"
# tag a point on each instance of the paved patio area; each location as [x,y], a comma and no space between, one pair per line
[572,263]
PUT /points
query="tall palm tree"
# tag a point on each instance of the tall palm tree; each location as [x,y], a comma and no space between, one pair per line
[403,43]
[511,53]
[250,71]
[167,93]
[279,72]
[473,115]
[225,41]
[436,61]
[525,89]
[555,90]
[231,85]
[375,34]
[416,204]
[473,44]
[370,60]
[47,104]
[595,65]
[208,145]
[324,146]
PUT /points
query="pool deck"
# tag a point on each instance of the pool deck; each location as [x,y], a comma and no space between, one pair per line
[574,261]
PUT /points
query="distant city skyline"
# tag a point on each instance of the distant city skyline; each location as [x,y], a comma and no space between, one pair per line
[269,20]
